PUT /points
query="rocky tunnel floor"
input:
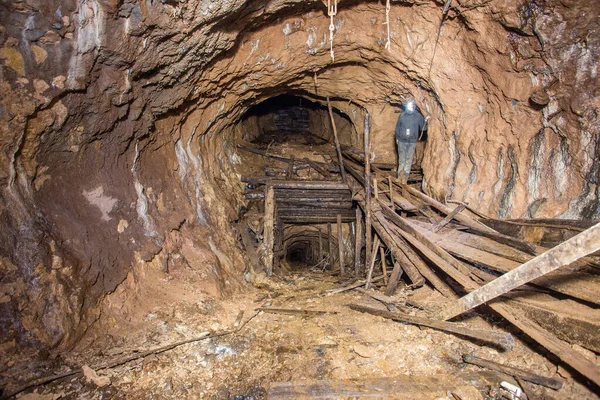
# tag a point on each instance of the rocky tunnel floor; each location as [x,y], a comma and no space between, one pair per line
[264,347]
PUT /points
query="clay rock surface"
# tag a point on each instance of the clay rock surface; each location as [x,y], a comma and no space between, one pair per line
[118,119]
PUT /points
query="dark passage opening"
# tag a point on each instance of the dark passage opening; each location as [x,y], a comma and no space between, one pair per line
[290,118]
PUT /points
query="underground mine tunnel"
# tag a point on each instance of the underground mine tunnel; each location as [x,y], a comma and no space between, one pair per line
[203,200]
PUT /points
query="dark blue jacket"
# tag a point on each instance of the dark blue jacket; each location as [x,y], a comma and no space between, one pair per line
[409,126]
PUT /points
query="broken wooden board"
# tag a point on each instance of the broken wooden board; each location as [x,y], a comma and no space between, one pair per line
[301,313]
[504,340]
[563,254]
[404,387]
[579,285]
[516,372]
[560,348]
[567,319]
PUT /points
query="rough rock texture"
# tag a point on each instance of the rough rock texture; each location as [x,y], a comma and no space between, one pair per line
[117,121]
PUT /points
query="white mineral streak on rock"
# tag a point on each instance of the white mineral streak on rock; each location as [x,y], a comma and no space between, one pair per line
[190,173]
[97,198]
[142,201]
[90,30]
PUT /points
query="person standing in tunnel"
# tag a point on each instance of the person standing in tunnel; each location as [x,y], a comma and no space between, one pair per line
[409,129]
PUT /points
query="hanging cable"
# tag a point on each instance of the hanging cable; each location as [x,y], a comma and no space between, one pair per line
[331,11]
[387,22]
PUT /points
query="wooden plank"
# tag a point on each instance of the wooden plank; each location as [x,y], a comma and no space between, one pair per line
[565,253]
[302,313]
[394,280]
[561,349]
[382,227]
[353,286]
[504,340]
[486,244]
[405,387]
[449,217]
[379,223]
[423,268]
[340,245]
[465,219]
[324,219]
[417,238]
[515,372]
[306,184]
[569,281]
[268,235]
[473,223]
[567,319]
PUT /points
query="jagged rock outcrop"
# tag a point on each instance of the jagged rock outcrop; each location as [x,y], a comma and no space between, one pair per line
[117,120]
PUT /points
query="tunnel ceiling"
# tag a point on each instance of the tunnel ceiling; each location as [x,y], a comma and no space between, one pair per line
[118,118]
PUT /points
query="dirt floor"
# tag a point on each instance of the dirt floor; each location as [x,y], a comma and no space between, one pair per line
[268,347]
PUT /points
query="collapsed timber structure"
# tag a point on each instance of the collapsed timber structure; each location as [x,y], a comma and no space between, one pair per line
[547,288]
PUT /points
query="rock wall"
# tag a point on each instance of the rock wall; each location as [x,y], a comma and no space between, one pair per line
[116,124]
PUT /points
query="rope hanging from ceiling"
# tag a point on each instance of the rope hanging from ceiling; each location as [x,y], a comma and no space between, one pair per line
[387,23]
[331,11]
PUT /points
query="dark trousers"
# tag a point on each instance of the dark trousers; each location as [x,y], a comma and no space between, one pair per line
[406,152]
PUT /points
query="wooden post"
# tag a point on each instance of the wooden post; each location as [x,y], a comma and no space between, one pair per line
[357,243]
[383,267]
[367,189]
[320,246]
[337,142]
[585,243]
[372,263]
[290,170]
[340,244]
[375,188]
[268,227]
[330,247]
[391,193]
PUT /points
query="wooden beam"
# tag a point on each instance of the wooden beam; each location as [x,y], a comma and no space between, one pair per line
[383,227]
[367,185]
[515,372]
[268,234]
[504,340]
[423,269]
[306,184]
[561,349]
[337,142]
[581,245]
